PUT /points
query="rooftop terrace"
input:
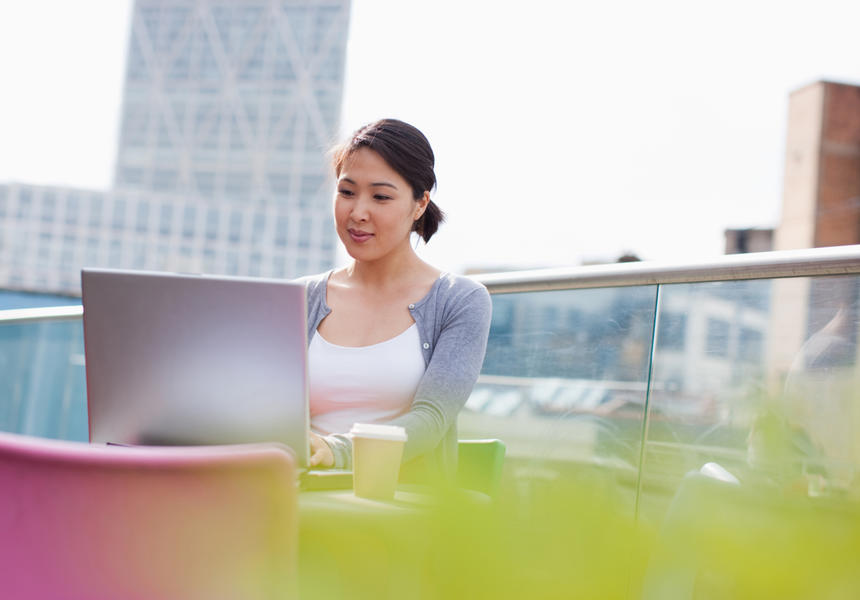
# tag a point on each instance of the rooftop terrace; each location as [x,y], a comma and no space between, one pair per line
[672,430]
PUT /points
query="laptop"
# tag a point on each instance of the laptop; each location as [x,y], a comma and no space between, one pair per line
[178,359]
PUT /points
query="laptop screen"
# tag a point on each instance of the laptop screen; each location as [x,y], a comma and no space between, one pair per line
[174,359]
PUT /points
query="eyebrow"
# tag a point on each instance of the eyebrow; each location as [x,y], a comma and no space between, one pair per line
[375,184]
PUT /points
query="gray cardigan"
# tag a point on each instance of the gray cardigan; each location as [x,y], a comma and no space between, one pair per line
[453,322]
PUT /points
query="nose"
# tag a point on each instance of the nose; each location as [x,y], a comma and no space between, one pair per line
[360,209]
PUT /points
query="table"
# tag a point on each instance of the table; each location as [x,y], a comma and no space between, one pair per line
[356,548]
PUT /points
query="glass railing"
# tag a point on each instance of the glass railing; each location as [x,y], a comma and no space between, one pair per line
[42,374]
[718,404]
[660,421]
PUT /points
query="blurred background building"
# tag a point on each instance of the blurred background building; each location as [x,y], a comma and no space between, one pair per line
[821,197]
[752,239]
[229,107]
[820,207]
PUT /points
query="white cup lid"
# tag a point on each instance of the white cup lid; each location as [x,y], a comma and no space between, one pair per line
[380,432]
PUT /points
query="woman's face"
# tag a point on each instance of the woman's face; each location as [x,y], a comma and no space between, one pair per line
[373,208]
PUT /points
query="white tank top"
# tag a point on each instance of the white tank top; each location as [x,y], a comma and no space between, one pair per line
[366,384]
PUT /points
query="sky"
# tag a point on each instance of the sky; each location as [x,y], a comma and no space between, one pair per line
[564,131]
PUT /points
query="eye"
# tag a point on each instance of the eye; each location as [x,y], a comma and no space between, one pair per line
[345,192]
[382,197]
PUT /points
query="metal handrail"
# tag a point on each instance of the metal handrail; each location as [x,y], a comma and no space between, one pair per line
[40,315]
[836,260]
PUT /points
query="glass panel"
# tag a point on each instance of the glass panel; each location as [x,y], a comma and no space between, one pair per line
[564,384]
[750,468]
[43,381]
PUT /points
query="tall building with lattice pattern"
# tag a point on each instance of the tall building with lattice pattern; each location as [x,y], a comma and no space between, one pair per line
[229,107]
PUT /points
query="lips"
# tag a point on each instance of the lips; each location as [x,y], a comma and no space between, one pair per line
[358,235]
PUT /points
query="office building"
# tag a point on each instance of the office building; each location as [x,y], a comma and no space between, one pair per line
[229,107]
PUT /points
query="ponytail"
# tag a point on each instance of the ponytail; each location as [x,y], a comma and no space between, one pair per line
[427,224]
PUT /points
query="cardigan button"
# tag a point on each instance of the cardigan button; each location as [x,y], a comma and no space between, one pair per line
[426,346]
[411,306]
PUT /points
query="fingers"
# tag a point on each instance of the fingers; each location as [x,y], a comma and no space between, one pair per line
[321,454]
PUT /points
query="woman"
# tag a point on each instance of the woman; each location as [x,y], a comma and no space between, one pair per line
[391,338]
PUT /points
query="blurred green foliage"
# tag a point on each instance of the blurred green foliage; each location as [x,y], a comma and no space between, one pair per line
[577,537]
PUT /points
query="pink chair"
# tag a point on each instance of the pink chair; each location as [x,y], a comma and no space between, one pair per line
[105,522]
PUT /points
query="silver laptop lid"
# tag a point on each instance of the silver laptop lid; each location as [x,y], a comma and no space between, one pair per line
[188,359]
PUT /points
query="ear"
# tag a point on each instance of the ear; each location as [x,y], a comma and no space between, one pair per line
[421,205]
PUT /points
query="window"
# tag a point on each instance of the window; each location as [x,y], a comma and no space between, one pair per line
[188,221]
[279,184]
[139,256]
[44,246]
[282,227]
[96,206]
[67,258]
[235,226]
[671,331]
[164,179]
[73,207]
[717,341]
[237,140]
[326,232]
[751,345]
[259,226]
[209,260]
[279,267]
[132,176]
[232,262]
[164,139]
[118,220]
[311,185]
[142,216]
[236,185]
[255,263]
[213,220]
[207,122]
[49,207]
[91,254]
[305,233]
[205,181]
[166,219]
[115,254]
[25,204]
[134,131]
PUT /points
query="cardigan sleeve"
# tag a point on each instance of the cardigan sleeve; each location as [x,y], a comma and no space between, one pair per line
[451,373]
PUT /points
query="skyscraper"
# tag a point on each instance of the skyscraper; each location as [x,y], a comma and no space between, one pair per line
[228,109]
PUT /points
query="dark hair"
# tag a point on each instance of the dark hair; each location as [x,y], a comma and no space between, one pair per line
[408,152]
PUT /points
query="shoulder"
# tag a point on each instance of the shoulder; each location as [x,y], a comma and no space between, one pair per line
[458,291]
[314,284]
[460,285]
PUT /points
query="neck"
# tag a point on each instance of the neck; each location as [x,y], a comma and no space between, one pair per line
[392,268]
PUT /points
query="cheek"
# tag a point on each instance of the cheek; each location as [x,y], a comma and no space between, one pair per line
[339,210]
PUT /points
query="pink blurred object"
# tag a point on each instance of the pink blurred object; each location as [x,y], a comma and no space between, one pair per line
[80,521]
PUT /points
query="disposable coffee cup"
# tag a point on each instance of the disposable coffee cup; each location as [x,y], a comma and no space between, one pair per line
[376,454]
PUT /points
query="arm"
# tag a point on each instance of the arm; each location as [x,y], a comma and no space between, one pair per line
[451,373]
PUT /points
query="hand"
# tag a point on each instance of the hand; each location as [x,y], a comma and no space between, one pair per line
[321,454]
